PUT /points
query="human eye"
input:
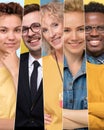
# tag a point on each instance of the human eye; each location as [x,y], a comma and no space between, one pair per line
[81,29]
[35,25]
[24,29]
[101,28]
[88,28]
[44,30]
[18,30]
[67,30]
[55,25]
[3,30]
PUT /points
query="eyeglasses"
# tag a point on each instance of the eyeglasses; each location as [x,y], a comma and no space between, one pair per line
[35,27]
[99,28]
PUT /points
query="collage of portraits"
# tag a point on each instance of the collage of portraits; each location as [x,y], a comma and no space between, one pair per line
[51,64]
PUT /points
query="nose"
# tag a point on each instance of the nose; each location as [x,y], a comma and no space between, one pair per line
[94,32]
[30,32]
[51,33]
[11,36]
[74,36]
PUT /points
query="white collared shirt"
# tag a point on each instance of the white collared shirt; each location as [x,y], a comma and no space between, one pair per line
[31,65]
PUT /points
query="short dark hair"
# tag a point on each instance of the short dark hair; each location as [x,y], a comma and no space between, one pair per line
[31,8]
[11,8]
[94,7]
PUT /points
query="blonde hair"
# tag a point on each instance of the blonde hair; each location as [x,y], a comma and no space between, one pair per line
[54,9]
[73,5]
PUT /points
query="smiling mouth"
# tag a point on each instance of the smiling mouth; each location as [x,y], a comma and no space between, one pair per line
[94,42]
[56,40]
[75,44]
[36,39]
[10,44]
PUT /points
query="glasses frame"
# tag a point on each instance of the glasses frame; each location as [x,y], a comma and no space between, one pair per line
[93,27]
[31,28]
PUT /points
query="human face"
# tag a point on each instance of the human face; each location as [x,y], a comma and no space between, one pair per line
[10,33]
[52,30]
[94,39]
[74,40]
[33,39]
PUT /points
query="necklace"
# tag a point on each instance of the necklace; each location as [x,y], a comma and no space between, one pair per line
[58,66]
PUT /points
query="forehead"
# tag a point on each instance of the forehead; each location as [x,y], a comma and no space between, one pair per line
[10,20]
[94,18]
[30,18]
[74,18]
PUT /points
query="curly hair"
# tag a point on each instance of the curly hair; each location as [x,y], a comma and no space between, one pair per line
[55,9]
[94,7]
[31,8]
[11,8]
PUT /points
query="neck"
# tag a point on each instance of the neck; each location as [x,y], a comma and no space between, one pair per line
[74,62]
[72,58]
[59,55]
[95,54]
[1,64]
[36,54]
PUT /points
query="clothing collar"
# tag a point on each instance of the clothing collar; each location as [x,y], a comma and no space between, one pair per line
[32,59]
[83,66]
[96,60]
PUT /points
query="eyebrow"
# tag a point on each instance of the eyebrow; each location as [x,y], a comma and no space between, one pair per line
[77,27]
[8,27]
[81,26]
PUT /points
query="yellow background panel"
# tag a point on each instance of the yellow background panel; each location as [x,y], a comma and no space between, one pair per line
[31,1]
[100,1]
[23,47]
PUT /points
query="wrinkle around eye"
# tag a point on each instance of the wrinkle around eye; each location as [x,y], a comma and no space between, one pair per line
[44,30]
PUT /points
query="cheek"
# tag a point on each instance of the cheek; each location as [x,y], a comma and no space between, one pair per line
[66,38]
[60,30]
[103,38]
[46,37]
[82,36]
[2,38]
[18,39]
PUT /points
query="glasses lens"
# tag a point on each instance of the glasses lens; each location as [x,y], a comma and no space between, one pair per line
[24,30]
[100,28]
[88,29]
[35,27]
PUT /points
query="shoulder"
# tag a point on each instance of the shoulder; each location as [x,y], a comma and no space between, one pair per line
[24,56]
[46,58]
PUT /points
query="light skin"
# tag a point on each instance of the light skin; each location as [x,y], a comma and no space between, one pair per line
[94,40]
[74,44]
[74,41]
[10,36]
[52,30]
[33,39]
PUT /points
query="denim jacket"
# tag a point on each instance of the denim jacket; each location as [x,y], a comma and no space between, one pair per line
[75,91]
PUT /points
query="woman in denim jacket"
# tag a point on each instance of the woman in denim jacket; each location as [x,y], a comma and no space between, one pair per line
[74,92]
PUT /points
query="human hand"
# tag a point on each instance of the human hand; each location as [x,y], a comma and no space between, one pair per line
[11,62]
[47,119]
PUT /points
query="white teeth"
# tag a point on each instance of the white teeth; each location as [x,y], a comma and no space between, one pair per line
[94,43]
[34,40]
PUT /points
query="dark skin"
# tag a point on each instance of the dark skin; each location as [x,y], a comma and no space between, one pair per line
[94,39]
